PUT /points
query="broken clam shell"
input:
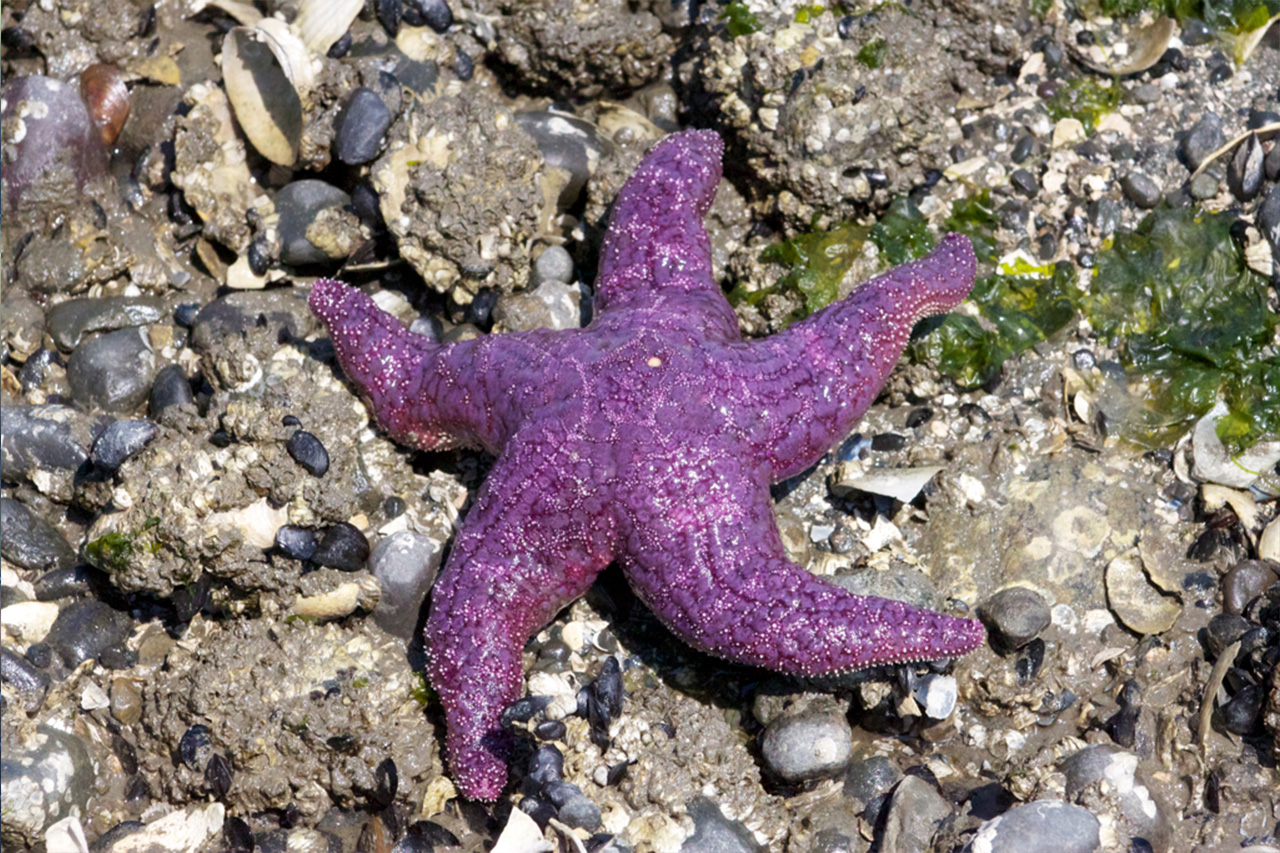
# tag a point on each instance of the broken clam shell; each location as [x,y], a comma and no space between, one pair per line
[269,72]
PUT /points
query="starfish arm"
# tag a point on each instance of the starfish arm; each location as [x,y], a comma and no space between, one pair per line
[424,394]
[814,381]
[534,541]
[705,555]
[656,254]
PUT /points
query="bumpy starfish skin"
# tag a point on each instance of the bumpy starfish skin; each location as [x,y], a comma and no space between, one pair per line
[650,437]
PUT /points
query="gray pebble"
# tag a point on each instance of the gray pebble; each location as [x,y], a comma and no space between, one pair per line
[1043,826]
[298,205]
[360,126]
[63,583]
[112,372]
[567,143]
[1014,617]
[1246,581]
[1106,771]
[580,813]
[85,629]
[554,264]
[1141,190]
[1223,630]
[405,564]
[807,746]
[915,811]
[1205,185]
[27,540]
[52,441]
[1205,137]
[119,441]
[937,695]
[715,833]
[553,305]
[68,322]
[1146,93]
[42,780]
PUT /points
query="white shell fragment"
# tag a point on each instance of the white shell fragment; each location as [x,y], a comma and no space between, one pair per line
[901,484]
[320,23]
[1213,464]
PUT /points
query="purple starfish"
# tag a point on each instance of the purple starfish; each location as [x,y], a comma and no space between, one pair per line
[650,437]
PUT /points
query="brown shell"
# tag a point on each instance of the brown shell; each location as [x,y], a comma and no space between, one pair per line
[104,93]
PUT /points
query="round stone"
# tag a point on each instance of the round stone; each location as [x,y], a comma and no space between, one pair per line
[170,388]
[309,452]
[1205,137]
[554,264]
[297,542]
[85,629]
[1245,581]
[42,780]
[405,564]
[119,441]
[299,204]
[1014,617]
[360,126]
[29,541]
[1141,190]
[343,547]
[112,372]
[1043,826]
[808,746]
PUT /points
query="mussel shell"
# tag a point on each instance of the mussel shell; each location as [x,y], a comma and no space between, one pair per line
[106,97]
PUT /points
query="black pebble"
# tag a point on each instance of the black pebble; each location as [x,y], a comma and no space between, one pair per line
[394,506]
[30,541]
[540,810]
[389,13]
[604,701]
[309,452]
[1242,713]
[1024,182]
[464,67]
[360,126]
[546,765]
[1014,617]
[237,835]
[550,730]
[34,372]
[432,834]
[63,583]
[119,441]
[185,314]
[297,542]
[1085,38]
[196,747]
[40,655]
[259,257]
[1220,73]
[888,441]
[170,388]
[919,417]
[343,547]
[433,13]
[85,629]
[290,420]
[1023,148]
[341,46]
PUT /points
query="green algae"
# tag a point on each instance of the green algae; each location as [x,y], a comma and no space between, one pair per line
[739,20]
[1191,324]
[873,52]
[805,14]
[1085,99]
[1020,305]
[816,262]
[113,551]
